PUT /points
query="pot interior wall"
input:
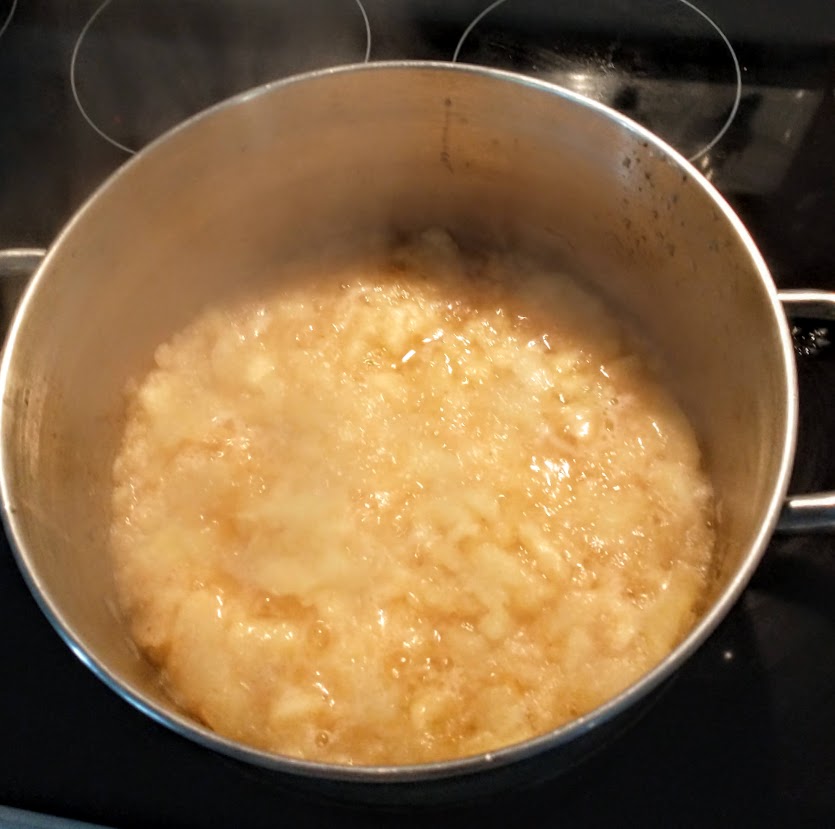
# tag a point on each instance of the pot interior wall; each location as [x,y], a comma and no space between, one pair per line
[219,207]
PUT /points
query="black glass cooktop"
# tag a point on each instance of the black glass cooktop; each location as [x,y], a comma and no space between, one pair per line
[745,734]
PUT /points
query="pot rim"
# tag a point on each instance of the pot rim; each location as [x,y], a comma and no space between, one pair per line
[187,727]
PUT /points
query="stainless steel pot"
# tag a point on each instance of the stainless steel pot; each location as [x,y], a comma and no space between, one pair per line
[335,155]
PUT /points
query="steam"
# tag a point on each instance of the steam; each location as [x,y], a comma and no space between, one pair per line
[141,66]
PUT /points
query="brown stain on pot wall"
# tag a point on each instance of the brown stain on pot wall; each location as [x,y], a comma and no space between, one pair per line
[444,157]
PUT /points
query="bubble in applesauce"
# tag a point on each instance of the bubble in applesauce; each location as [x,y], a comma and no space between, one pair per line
[414,508]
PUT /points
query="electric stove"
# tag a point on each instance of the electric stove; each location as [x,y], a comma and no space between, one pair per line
[745,733]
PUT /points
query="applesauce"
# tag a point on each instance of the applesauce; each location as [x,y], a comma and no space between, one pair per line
[422,507]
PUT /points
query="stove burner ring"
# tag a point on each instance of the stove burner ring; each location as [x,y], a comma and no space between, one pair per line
[714,25]
[80,40]
[5,24]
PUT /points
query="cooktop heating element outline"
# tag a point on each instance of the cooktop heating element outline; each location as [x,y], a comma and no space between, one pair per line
[8,19]
[84,109]
[717,137]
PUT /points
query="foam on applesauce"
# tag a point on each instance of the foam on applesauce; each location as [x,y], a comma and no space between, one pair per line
[421,508]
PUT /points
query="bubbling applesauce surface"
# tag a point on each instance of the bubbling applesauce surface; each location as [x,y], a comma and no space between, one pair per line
[423,507]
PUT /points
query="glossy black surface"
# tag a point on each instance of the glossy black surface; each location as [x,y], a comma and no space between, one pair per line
[745,735]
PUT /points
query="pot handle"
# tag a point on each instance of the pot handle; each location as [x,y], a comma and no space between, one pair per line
[16,267]
[814,512]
